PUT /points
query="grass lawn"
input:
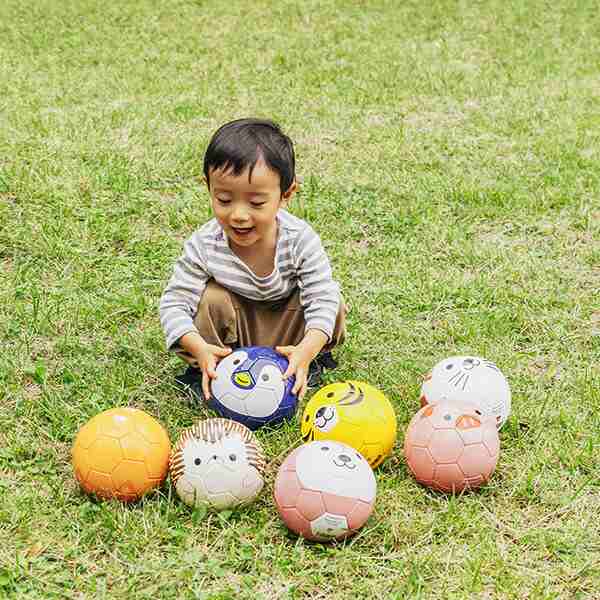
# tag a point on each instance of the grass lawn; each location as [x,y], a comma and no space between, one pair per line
[450,156]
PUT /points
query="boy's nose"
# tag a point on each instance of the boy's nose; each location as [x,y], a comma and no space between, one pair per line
[239,216]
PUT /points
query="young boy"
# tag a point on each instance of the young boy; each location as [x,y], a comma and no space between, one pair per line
[254,274]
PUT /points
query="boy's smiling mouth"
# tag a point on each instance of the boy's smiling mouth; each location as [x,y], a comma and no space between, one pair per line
[242,230]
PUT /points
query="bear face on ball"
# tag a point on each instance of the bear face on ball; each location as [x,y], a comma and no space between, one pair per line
[249,388]
[325,491]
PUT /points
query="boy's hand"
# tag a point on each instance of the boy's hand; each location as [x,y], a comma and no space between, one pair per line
[299,360]
[208,356]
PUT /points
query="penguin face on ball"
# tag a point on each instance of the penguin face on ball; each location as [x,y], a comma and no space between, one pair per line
[249,383]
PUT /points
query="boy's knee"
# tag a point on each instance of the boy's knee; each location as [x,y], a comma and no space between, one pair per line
[216,319]
[215,295]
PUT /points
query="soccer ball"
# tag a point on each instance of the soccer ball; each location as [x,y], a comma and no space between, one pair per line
[469,379]
[218,463]
[355,413]
[249,388]
[325,491]
[451,446]
[121,453]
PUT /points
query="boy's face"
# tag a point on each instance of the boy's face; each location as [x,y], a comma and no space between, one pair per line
[247,210]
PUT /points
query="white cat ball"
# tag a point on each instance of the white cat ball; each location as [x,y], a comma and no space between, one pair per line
[469,379]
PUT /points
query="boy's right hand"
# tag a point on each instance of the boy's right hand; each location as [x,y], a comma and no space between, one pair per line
[208,356]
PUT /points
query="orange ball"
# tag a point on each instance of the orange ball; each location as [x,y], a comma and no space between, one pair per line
[121,453]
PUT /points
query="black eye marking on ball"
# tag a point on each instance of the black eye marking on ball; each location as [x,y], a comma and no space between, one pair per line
[264,377]
[351,397]
[197,461]
[331,394]
[470,363]
[325,448]
[237,361]
[448,417]
[232,457]
[448,367]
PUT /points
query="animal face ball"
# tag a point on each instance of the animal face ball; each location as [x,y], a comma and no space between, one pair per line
[121,453]
[469,379]
[218,463]
[451,446]
[355,413]
[249,388]
[325,491]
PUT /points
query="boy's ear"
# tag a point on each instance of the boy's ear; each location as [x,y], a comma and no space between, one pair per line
[287,195]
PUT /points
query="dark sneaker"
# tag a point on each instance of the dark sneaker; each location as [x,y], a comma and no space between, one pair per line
[191,382]
[315,375]
[327,361]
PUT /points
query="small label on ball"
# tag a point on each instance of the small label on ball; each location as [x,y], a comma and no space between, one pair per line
[329,526]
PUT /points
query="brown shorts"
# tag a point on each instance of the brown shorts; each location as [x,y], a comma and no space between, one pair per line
[227,319]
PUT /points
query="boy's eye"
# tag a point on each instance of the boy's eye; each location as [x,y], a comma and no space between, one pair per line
[257,204]
[224,200]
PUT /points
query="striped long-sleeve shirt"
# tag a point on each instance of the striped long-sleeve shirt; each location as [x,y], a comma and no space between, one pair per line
[300,262]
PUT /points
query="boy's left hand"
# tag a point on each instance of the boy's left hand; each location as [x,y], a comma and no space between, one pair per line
[299,360]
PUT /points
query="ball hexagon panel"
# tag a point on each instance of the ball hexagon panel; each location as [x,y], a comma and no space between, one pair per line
[449,478]
[295,521]
[99,483]
[223,500]
[191,491]
[131,479]
[492,442]
[476,461]
[287,488]
[445,446]
[106,454]
[420,431]
[135,446]
[310,504]
[358,516]
[117,422]
[421,463]
[473,434]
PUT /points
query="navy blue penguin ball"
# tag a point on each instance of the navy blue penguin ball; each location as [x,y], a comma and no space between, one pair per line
[250,389]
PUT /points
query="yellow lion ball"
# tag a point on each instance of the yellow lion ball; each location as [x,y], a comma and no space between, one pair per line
[355,413]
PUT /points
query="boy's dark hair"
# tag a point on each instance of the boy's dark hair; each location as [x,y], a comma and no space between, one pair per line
[239,144]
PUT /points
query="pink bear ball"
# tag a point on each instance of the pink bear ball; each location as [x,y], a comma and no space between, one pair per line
[451,446]
[325,491]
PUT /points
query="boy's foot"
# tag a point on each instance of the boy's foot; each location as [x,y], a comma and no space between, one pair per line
[316,368]
[327,361]
[315,375]
[191,382]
